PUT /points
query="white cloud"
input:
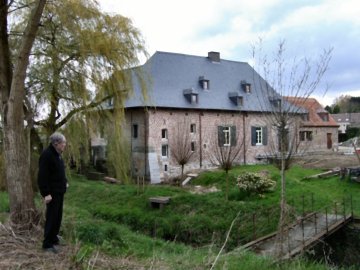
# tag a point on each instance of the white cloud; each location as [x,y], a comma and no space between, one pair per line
[230,26]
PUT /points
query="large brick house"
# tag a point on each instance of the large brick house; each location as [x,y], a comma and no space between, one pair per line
[206,101]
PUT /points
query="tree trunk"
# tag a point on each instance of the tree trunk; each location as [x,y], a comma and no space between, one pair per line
[22,206]
[16,150]
[282,220]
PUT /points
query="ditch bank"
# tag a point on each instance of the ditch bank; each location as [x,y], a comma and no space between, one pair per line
[341,249]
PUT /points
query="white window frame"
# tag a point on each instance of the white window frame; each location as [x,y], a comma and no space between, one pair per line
[259,136]
[227,136]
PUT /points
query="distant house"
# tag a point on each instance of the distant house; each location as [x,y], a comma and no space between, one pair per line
[346,120]
[211,100]
[317,125]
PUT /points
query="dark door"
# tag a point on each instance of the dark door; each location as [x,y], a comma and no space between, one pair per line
[329,140]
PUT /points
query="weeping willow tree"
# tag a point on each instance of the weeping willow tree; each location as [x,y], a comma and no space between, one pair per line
[57,61]
[298,78]
[80,61]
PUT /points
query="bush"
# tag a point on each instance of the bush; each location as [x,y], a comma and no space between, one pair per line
[258,183]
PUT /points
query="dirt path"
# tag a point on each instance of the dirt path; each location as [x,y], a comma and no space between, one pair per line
[326,161]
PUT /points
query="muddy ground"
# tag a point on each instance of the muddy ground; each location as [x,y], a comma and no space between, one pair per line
[326,161]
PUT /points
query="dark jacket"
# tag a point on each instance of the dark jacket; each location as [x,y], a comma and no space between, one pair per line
[51,177]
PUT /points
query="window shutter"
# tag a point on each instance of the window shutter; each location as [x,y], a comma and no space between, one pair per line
[221,136]
[233,136]
[265,135]
[253,135]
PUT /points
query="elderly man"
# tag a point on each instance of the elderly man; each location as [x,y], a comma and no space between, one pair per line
[52,184]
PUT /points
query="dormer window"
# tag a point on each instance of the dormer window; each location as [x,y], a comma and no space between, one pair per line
[236,99]
[276,102]
[194,99]
[246,87]
[305,117]
[204,83]
[191,96]
[324,116]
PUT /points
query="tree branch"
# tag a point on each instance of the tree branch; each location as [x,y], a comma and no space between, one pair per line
[81,109]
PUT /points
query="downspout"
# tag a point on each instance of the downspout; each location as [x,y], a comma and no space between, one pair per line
[244,137]
[200,141]
[131,143]
[146,133]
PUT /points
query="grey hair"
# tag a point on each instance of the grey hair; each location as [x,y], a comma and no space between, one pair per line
[57,137]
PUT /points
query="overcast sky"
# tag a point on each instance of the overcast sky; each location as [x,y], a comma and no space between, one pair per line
[231,26]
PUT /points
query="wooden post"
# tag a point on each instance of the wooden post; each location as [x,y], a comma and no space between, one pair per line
[315,224]
[335,204]
[344,209]
[303,205]
[312,202]
[288,236]
[138,185]
[254,226]
[303,233]
[143,184]
[326,219]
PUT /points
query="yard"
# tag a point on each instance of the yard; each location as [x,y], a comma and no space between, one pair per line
[110,224]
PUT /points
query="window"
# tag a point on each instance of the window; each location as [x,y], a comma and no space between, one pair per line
[165,167]
[306,136]
[236,99]
[324,116]
[204,83]
[246,87]
[305,117]
[164,150]
[258,135]
[194,99]
[135,131]
[192,146]
[193,128]
[191,96]
[164,134]
[227,135]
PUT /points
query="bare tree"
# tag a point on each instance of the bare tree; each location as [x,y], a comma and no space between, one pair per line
[181,147]
[298,79]
[225,150]
[12,94]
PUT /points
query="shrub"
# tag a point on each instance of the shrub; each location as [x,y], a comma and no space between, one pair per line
[258,183]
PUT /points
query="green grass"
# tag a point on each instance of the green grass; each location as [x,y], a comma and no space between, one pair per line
[187,233]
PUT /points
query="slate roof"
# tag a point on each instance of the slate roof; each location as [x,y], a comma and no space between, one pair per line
[173,75]
[314,109]
[352,118]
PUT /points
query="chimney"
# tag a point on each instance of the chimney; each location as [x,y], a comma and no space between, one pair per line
[214,56]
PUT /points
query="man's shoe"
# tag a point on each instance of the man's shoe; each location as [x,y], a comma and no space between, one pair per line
[51,249]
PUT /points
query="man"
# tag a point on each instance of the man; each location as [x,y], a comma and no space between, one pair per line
[52,184]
